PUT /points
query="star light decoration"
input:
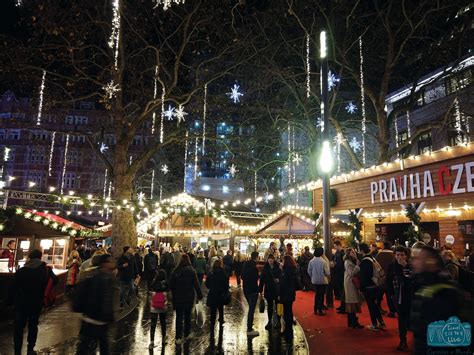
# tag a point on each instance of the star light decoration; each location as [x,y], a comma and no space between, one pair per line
[297,159]
[111,89]
[332,80]
[103,148]
[355,144]
[233,170]
[180,113]
[169,113]
[235,94]
[351,108]
[164,169]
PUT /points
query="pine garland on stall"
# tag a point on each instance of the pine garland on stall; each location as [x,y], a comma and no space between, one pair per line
[413,233]
[318,231]
[355,237]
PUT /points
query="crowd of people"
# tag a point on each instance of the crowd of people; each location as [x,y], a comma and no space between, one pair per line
[420,285]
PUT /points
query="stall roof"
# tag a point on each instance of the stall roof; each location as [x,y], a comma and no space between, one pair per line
[287,224]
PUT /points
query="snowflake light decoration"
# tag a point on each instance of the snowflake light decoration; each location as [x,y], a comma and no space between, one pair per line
[141,196]
[233,170]
[320,123]
[169,113]
[164,169]
[351,108]
[167,3]
[111,89]
[332,80]
[235,94]
[103,148]
[355,144]
[297,159]
[180,113]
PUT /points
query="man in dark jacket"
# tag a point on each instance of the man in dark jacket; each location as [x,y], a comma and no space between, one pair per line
[29,288]
[250,280]
[436,298]
[338,280]
[399,290]
[167,261]
[127,272]
[270,283]
[96,299]
[369,289]
[385,257]
[228,262]
[150,264]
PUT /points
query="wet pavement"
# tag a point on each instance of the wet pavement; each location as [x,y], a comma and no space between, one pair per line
[59,328]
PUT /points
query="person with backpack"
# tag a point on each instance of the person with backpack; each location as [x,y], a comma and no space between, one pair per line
[436,297]
[217,281]
[318,270]
[32,285]
[158,305]
[184,285]
[371,276]
[150,267]
[385,257]
[270,287]
[96,298]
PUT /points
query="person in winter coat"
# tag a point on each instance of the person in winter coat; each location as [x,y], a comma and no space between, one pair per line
[369,289]
[318,270]
[385,257]
[9,254]
[270,287]
[272,250]
[150,267]
[304,262]
[351,292]
[400,290]
[200,264]
[288,286]
[228,262]
[127,272]
[250,279]
[167,261]
[91,264]
[96,298]
[30,283]
[436,297]
[239,260]
[451,264]
[217,282]
[158,305]
[138,261]
[73,264]
[184,285]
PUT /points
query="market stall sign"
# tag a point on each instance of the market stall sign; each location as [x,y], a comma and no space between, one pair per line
[420,184]
[90,233]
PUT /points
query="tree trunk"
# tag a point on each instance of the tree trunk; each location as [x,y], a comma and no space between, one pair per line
[124,232]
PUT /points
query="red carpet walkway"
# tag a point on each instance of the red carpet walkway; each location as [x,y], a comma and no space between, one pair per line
[330,335]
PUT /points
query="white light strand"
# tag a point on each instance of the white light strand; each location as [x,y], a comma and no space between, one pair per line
[460,137]
[196,157]
[41,93]
[155,91]
[185,160]
[152,187]
[293,151]
[162,123]
[362,96]
[109,194]
[339,140]
[204,116]
[114,40]
[104,193]
[167,3]
[308,68]
[255,188]
[66,148]
[290,154]
[408,127]
[161,192]
[51,151]
[6,156]
[395,123]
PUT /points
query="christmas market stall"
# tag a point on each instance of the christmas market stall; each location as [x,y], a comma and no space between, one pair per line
[427,197]
[25,230]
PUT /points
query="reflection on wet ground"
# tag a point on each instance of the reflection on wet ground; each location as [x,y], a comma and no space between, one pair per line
[59,329]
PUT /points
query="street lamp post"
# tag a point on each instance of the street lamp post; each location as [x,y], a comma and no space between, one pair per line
[325,160]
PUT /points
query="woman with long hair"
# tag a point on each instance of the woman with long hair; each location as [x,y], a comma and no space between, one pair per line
[158,305]
[288,293]
[270,286]
[184,285]
[199,265]
[351,292]
[73,264]
[217,282]
[239,260]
